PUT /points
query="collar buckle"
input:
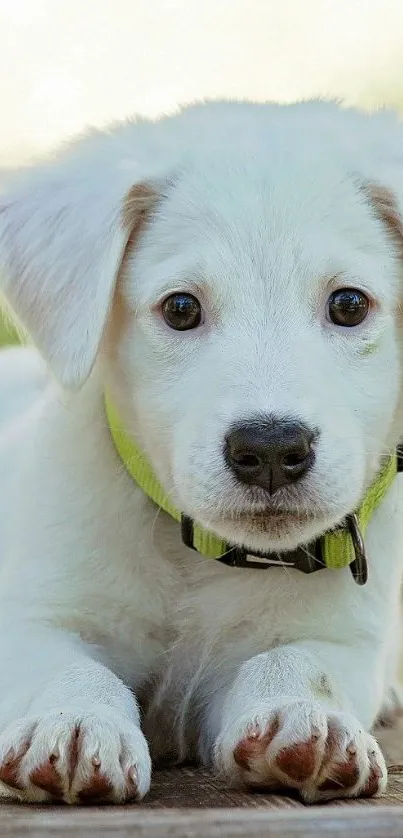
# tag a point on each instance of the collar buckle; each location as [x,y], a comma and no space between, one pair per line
[306,559]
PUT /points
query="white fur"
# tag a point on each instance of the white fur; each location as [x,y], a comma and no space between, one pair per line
[260,208]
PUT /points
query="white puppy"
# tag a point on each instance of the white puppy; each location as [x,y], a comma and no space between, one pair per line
[231,278]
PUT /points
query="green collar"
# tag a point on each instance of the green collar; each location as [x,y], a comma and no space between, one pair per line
[338,548]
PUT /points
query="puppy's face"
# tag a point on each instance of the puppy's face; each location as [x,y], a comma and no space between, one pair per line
[260,348]
[252,339]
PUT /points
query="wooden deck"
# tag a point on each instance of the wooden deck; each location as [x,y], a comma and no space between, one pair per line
[189,803]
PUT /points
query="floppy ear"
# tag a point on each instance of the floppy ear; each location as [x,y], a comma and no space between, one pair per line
[63,233]
[382,149]
[387,203]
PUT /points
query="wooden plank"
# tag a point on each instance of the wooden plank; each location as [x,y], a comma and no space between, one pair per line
[326,822]
[189,803]
[190,788]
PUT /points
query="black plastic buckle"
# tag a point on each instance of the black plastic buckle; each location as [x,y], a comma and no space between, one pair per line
[239,557]
[307,560]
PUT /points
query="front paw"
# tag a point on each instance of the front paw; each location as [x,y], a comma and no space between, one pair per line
[97,756]
[300,745]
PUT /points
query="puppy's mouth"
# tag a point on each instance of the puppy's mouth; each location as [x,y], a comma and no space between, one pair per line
[269,520]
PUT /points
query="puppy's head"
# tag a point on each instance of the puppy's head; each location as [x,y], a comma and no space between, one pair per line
[240,269]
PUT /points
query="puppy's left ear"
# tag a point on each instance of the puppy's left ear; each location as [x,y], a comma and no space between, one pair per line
[63,232]
[381,147]
[386,205]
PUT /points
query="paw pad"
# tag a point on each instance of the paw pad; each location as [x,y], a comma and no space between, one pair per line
[254,745]
[299,761]
[47,778]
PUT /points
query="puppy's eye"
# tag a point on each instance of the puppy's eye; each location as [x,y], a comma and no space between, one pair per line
[182,312]
[347,307]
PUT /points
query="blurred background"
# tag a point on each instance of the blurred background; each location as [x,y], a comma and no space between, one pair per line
[66,64]
[69,64]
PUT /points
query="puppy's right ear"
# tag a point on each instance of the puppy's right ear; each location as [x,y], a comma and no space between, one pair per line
[63,232]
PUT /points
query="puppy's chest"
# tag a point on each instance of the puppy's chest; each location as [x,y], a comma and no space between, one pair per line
[244,611]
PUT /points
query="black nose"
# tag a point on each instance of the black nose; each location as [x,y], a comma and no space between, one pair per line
[270,454]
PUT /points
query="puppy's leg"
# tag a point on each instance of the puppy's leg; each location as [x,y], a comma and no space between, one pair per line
[69,728]
[288,721]
[392,702]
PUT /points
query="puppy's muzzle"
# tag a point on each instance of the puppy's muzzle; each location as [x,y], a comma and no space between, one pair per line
[271,453]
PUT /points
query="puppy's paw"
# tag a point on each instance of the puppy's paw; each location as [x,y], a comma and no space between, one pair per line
[95,757]
[301,745]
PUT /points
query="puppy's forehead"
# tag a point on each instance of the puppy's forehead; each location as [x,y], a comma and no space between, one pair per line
[275,187]
[263,213]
